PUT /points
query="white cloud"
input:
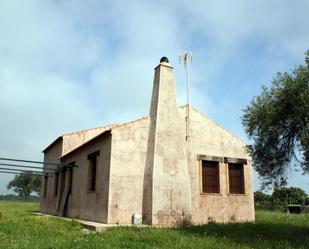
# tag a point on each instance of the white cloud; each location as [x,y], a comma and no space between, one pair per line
[67,65]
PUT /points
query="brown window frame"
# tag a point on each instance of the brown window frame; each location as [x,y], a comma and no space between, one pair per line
[92,170]
[236,178]
[210,177]
[70,177]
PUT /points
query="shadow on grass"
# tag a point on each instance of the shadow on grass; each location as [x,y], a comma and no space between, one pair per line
[255,235]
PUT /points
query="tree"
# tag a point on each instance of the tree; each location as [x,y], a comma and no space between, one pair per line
[292,195]
[278,123]
[262,200]
[25,183]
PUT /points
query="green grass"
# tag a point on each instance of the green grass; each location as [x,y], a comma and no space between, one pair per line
[20,229]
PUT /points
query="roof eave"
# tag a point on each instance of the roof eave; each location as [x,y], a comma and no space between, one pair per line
[86,143]
[53,143]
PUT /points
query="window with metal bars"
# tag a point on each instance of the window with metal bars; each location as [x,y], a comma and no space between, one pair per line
[236,178]
[210,177]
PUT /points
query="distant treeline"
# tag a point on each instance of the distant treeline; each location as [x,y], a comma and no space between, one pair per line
[12,197]
[280,198]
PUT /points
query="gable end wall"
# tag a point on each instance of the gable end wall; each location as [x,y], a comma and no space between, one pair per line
[208,138]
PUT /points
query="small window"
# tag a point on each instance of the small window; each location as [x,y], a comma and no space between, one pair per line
[70,178]
[210,177]
[92,170]
[56,183]
[92,173]
[236,178]
[45,185]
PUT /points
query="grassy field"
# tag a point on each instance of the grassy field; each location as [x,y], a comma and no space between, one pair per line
[20,229]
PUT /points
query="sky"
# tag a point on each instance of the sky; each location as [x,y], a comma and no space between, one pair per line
[72,65]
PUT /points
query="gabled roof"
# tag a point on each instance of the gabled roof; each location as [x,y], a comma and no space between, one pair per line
[95,133]
[52,144]
[102,133]
[76,133]
[99,131]
[108,129]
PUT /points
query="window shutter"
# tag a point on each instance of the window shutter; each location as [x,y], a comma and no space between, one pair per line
[210,177]
[236,178]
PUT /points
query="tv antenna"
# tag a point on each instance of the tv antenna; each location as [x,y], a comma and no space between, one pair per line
[185,58]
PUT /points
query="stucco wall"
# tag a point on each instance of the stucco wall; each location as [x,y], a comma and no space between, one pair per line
[167,169]
[52,155]
[82,203]
[208,138]
[121,175]
[129,146]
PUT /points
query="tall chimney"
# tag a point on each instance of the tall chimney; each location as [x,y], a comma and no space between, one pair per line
[167,192]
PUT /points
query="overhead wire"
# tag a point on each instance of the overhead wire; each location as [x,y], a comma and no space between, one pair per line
[26,166]
[19,168]
[19,173]
[30,171]
[27,161]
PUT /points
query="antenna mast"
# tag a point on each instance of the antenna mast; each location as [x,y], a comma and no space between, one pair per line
[185,58]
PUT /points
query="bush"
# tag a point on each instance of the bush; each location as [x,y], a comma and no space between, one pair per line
[280,198]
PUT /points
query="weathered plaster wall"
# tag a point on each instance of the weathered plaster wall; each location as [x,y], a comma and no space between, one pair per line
[208,138]
[82,203]
[129,146]
[64,145]
[167,168]
[129,182]
[121,189]
[48,203]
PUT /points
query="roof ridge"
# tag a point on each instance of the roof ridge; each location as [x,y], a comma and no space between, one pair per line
[116,125]
[130,122]
[100,127]
[112,127]
[105,127]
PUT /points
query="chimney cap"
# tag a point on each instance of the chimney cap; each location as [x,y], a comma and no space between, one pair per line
[164,59]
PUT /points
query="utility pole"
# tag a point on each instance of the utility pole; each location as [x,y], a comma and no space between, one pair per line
[185,58]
